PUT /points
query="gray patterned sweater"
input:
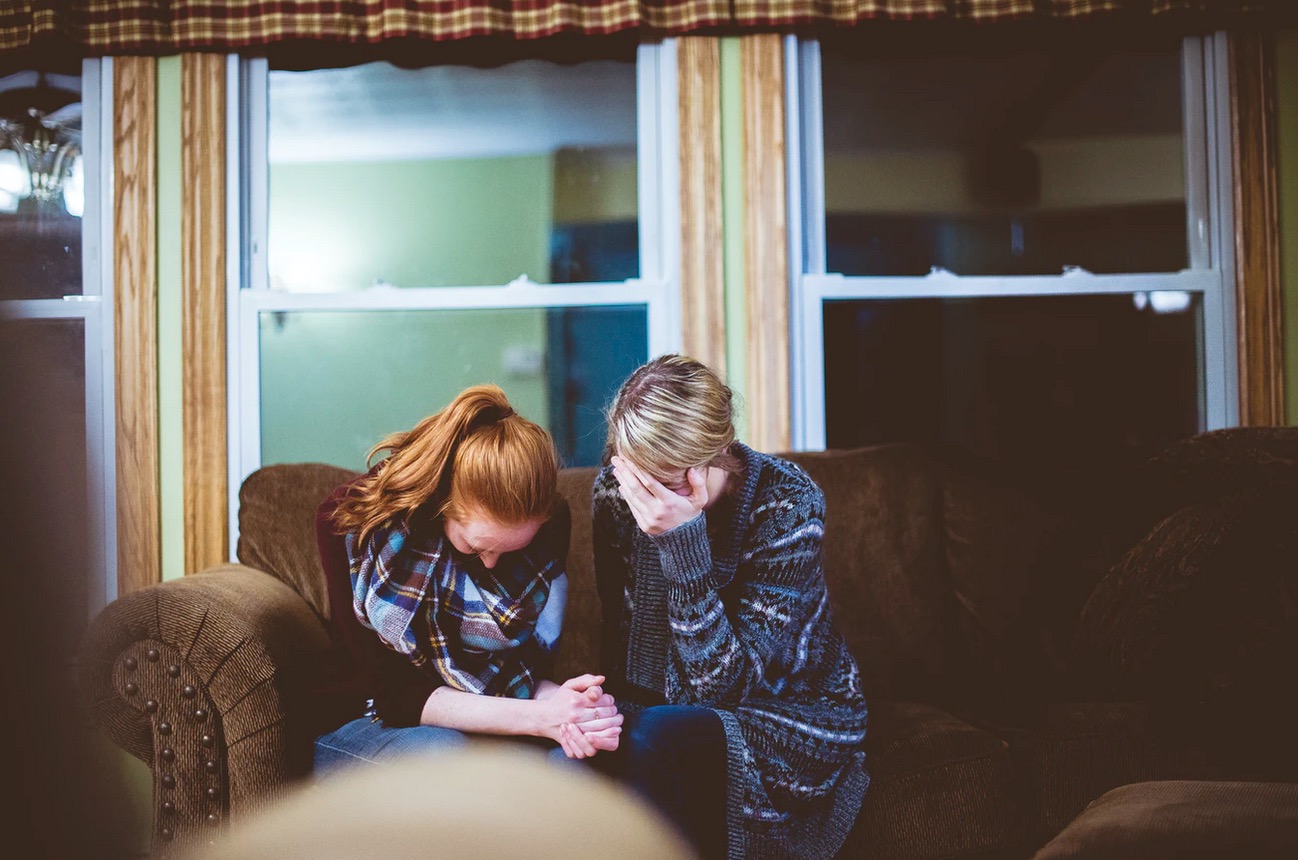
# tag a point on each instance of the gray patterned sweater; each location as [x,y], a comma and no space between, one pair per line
[733,615]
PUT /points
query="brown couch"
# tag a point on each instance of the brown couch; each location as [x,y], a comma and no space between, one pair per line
[1014,637]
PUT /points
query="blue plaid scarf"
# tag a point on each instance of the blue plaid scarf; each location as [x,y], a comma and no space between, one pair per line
[482,631]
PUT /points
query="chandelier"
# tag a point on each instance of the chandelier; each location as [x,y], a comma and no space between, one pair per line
[41,123]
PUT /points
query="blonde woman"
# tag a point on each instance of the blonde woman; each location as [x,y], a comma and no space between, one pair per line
[745,717]
[445,570]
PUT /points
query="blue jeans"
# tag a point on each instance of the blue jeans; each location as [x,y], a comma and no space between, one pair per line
[366,741]
[675,757]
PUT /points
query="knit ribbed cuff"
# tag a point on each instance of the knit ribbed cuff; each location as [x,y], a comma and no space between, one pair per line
[686,558]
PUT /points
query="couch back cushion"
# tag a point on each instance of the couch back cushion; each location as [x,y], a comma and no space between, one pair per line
[579,648]
[883,563]
[277,506]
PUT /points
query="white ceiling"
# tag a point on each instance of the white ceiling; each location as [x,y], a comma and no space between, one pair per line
[380,112]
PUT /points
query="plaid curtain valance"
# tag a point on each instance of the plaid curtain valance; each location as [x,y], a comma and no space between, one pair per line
[846,13]
[98,27]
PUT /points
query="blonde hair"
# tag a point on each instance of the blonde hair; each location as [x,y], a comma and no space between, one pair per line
[673,414]
[475,456]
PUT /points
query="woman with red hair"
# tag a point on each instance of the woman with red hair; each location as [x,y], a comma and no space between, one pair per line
[445,570]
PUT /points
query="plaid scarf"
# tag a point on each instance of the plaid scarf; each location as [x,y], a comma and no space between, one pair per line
[481,631]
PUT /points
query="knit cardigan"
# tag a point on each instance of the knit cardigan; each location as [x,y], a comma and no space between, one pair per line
[740,623]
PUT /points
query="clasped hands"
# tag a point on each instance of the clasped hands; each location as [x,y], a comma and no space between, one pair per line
[581,716]
[656,507]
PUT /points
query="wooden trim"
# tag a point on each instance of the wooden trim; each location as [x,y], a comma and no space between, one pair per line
[135,310]
[766,263]
[202,265]
[703,305]
[1259,300]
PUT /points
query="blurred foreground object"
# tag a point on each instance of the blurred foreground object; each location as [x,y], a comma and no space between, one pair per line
[465,803]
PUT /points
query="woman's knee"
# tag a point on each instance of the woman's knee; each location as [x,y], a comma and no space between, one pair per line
[668,730]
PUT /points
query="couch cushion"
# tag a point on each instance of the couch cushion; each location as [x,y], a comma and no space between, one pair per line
[1203,614]
[1080,751]
[883,563]
[579,647]
[277,506]
[1175,819]
[1205,467]
[939,788]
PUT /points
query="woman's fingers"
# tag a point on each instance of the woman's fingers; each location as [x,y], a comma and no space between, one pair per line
[607,740]
[588,714]
[630,479]
[651,485]
[582,744]
[583,682]
[599,725]
[565,743]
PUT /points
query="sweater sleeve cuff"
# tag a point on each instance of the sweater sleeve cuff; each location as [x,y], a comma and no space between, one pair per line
[686,558]
[403,708]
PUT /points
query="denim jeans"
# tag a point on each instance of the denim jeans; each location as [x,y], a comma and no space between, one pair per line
[366,741]
[675,757]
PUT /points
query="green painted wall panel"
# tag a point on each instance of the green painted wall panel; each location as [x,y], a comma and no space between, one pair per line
[171,431]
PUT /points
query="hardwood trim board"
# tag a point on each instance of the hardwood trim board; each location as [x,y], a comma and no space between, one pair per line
[766,263]
[1259,299]
[703,309]
[203,310]
[135,338]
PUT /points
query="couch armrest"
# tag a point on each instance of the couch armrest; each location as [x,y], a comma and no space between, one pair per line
[1082,750]
[203,679]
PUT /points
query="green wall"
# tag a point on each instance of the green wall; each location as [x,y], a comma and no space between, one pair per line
[335,383]
[432,223]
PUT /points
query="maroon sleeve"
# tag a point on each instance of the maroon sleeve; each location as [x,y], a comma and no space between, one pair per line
[368,671]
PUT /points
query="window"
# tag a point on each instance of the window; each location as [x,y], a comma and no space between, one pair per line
[1014,252]
[56,333]
[415,231]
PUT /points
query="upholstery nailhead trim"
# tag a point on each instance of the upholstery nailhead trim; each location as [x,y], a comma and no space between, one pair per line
[188,761]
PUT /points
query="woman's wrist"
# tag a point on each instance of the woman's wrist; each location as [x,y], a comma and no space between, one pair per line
[685,552]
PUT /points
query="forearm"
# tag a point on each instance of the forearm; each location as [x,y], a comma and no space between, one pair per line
[711,664]
[487,715]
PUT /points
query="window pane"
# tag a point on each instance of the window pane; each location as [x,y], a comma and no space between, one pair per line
[41,186]
[452,176]
[43,387]
[1024,162]
[1034,380]
[333,383]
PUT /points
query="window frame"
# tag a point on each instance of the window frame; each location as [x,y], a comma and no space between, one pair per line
[93,306]
[249,295]
[1210,242]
